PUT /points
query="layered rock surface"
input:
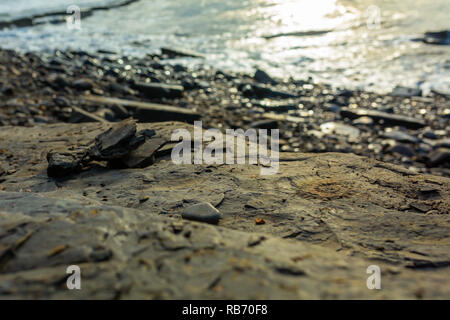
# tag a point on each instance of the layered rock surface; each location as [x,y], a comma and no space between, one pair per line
[327,218]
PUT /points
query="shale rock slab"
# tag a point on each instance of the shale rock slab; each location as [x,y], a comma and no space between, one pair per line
[327,218]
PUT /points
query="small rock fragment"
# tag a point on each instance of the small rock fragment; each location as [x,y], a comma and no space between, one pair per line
[62,164]
[159,90]
[259,221]
[203,212]
[114,143]
[143,155]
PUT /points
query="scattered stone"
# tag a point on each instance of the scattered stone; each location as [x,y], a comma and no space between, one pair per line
[144,155]
[114,143]
[402,150]
[174,53]
[275,106]
[264,124]
[400,91]
[400,136]
[384,118]
[159,90]
[440,37]
[364,121]
[150,112]
[203,212]
[79,115]
[83,84]
[263,77]
[259,221]
[439,157]
[62,164]
[262,91]
[442,143]
[339,129]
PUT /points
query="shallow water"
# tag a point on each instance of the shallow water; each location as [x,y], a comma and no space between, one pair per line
[354,44]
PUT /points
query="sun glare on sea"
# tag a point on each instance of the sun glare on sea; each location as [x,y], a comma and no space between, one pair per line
[304,15]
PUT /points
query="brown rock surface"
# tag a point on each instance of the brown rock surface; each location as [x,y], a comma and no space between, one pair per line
[327,218]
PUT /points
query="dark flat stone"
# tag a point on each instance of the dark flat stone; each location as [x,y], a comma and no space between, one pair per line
[144,155]
[159,90]
[385,118]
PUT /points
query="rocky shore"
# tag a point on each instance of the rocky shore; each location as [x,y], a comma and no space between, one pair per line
[150,228]
[404,128]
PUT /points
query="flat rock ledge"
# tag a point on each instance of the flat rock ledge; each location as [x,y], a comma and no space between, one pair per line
[328,217]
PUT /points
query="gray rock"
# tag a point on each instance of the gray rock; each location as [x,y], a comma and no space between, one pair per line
[264,124]
[402,150]
[400,136]
[62,164]
[159,90]
[439,157]
[263,77]
[440,37]
[114,143]
[339,129]
[384,118]
[203,212]
[143,155]
[173,53]
[400,91]
[83,84]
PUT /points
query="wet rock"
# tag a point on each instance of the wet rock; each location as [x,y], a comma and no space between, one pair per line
[159,90]
[203,212]
[174,53]
[62,164]
[439,157]
[401,136]
[83,84]
[384,118]
[262,91]
[339,129]
[363,121]
[264,124]
[402,150]
[333,108]
[263,77]
[442,143]
[440,37]
[400,91]
[429,134]
[275,106]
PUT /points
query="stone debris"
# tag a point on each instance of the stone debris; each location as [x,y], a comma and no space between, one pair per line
[439,37]
[203,212]
[119,145]
[143,155]
[385,118]
[400,91]
[62,164]
[159,90]
[174,53]
[115,142]
[149,112]
[223,100]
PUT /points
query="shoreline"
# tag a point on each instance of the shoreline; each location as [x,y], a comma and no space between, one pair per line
[408,130]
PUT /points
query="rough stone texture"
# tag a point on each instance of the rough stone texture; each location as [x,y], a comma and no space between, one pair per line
[327,218]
